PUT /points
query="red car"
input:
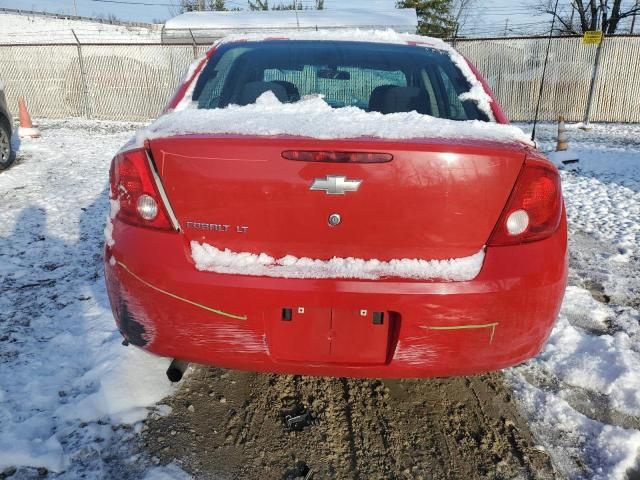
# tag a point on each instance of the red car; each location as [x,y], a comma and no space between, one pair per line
[335,206]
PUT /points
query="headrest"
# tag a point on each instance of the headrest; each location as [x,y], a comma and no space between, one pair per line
[252,90]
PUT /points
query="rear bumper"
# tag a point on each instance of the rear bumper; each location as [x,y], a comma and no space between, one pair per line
[502,317]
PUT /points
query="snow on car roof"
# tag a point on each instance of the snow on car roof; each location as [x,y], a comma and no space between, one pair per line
[403,19]
[344,35]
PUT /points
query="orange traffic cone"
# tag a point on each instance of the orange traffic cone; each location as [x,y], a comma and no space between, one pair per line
[26,129]
[563,139]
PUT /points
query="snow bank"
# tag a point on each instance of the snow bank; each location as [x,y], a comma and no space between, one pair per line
[582,361]
[605,363]
[17,28]
[606,452]
[345,35]
[403,19]
[209,258]
[312,117]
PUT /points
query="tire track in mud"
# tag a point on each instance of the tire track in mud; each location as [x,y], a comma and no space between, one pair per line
[230,424]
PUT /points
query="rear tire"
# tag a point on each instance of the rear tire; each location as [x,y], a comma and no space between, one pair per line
[7,155]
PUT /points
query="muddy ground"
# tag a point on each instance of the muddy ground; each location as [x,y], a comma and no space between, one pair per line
[230,424]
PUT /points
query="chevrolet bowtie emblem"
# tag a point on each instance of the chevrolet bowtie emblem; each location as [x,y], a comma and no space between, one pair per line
[335,185]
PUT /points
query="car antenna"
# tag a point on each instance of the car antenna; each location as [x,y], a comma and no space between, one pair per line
[544,72]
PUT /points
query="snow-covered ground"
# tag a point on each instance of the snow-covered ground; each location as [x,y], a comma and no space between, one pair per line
[71,397]
[15,28]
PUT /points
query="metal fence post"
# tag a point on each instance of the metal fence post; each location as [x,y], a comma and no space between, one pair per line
[195,45]
[83,75]
[592,88]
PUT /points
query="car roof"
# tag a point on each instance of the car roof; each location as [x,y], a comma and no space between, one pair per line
[389,37]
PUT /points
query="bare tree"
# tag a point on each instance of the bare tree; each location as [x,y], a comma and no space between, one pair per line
[587,15]
[461,9]
[110,18]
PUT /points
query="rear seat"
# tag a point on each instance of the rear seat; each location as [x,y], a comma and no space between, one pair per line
[252,91]
[392,99]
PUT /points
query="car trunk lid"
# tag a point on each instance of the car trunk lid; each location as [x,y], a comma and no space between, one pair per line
[434,199]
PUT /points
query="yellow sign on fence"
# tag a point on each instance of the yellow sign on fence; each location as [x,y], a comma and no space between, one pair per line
[592,37]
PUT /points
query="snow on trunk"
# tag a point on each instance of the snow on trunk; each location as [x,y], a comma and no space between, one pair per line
[211,259]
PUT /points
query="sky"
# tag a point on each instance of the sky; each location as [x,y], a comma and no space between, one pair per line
[487,18]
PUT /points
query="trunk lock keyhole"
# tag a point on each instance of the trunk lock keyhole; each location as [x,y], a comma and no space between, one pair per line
[334,219]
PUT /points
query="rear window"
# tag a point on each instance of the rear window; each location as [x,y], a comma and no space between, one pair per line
[372,77]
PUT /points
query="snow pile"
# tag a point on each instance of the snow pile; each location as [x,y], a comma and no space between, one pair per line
[209,258]
[579,446]
[605,363]
[340,16]
[596,382]
[66,382]
[15,28]
[343,35]
[312,117]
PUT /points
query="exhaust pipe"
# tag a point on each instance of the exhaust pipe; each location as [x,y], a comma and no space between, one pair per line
[176,370]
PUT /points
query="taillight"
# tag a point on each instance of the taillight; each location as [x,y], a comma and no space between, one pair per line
[132,185]
[534,209]
[336,157]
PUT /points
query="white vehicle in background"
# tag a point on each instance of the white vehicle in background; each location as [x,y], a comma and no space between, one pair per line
[6,154]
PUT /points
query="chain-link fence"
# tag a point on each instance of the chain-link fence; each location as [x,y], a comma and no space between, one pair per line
[513,68]
[111,82]
[135,81]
